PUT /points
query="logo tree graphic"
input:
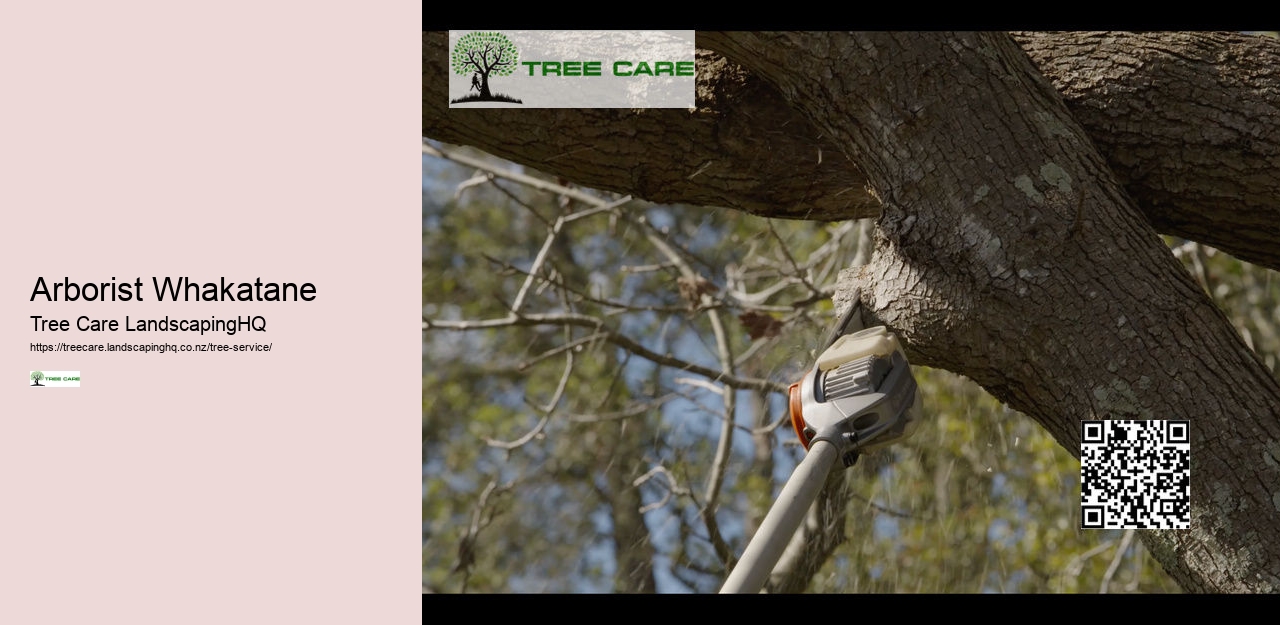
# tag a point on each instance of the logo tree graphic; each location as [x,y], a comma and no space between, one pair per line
[484,54]
[37,376]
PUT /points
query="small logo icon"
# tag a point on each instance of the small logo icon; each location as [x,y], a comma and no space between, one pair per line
[54,379]
[483,55]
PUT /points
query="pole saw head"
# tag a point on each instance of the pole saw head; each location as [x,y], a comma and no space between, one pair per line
[859,395]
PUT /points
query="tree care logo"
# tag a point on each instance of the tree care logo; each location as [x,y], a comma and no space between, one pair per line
[484,54]
[572,69]
[54,379]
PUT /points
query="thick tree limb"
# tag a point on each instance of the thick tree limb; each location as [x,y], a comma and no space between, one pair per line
[1187,120]
[1008,252]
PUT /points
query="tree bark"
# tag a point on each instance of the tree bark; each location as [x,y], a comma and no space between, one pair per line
[1187,120]
[1009,253]
[1009,250]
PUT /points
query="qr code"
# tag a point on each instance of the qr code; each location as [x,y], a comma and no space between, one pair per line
[1135,474]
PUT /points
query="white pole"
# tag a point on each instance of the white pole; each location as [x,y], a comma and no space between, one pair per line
[780,524]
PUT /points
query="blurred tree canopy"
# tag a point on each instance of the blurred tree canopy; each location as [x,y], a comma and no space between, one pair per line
[556,460]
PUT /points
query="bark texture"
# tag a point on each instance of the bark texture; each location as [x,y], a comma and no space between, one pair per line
[1008,252]
[1208,101]
[1189,123]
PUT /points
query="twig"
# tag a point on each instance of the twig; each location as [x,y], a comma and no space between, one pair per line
[644,268]
[1073,568]
[608,303]
[467,544]
[889,511]
[546,247]
[546,410]
[625,413]
[786,252]
[617,339]
[1115,561]
[703,384]
[671,487]
[590,338]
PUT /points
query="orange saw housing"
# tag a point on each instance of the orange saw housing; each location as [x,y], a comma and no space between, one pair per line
[797,416]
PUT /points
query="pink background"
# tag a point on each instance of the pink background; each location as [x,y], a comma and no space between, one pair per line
[239,140]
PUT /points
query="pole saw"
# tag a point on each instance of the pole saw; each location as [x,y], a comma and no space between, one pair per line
[858,396]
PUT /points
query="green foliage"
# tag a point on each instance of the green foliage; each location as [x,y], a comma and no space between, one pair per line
[484,52]
[980,499]
[1247,294]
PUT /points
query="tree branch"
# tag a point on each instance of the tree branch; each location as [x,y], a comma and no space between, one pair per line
[1187,121]
[980,269]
